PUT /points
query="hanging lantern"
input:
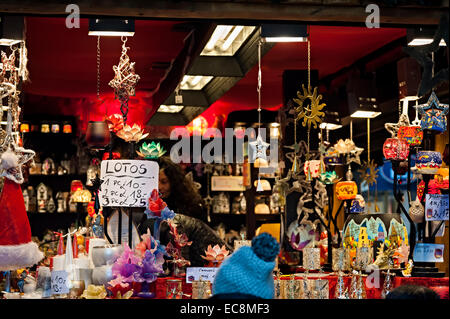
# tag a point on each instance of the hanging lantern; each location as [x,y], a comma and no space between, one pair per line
[81,196]
[358,204]
[97,134]
[412,134]
[346,190]
[24,128]
[314,168]
[55,128]
[395,149]
[67,128]
[76,185]
[45,128]
[428,162]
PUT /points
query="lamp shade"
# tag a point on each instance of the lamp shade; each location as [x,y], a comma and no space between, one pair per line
[412,134]
[428,162]
[314,168]
[97,134]
[396,149]
[76,185]
[346,190]
[81,196]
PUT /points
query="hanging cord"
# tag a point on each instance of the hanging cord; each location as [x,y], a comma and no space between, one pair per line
[98,67]
[309,85]
[124,94]
[259,85]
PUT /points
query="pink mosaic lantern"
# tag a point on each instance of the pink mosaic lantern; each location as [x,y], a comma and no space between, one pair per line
[396,149]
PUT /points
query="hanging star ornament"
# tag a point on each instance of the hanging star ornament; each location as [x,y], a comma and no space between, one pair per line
[422,55]
[433,114]
[259,148]
[354,155]
[12,160]
[393,127]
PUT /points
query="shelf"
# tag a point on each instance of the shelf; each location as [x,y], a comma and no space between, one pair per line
[71,176]
[258,217]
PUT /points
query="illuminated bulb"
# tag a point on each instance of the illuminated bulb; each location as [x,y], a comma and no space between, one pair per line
[219,34]
[232,37]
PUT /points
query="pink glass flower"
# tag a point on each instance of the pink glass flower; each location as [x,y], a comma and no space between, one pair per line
[115,122]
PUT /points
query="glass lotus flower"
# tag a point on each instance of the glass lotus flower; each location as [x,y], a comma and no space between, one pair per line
[115,122]
[344,147]
[132,133]
[215,255]
[119,289]
[151,150]
[94,292]
[328,178]
[157,208]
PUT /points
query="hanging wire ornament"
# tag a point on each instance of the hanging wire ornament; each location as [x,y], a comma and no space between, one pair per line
[259,147]
[125,80]
[311,113]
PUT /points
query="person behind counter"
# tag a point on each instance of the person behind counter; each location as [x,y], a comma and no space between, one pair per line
[182,197]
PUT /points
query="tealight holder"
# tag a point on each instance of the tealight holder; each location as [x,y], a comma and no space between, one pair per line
[311,258]
[321,289]
[174,289]
[341,260]
[201,289]
[363,258]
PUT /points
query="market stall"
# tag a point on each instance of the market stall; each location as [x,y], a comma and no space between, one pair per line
[147,185]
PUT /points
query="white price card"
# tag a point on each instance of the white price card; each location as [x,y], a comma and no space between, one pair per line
[433,253]
[127,183]
[436,207]
[59,282]
[204,273]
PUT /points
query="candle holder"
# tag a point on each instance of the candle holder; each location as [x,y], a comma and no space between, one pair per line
[311,259]
[174,289]
[201,289]
[341,260]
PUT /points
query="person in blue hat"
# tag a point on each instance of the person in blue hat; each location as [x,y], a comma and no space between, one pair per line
[247,273]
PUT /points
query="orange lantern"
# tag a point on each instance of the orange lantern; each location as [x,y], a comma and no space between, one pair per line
[346,190]
[24,128]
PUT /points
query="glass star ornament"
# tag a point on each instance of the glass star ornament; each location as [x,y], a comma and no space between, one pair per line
[433,114]
[354,155]
[259,148]
[12,161]
[394,127]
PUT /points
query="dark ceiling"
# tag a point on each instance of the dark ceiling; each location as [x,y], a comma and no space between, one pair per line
[63,64]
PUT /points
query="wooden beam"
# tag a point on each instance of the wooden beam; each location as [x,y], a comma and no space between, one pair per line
[216,66]
[261,10]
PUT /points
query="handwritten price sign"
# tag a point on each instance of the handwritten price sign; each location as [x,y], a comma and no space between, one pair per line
[127,183]
[436,207]
[59,282]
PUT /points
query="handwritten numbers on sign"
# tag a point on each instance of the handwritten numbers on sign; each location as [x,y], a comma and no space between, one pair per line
[436,207]
[127,183]
[59,282]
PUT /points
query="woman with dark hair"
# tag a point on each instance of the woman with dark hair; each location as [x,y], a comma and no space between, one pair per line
[412,292]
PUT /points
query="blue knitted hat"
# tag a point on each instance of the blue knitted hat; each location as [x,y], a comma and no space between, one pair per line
[249,269]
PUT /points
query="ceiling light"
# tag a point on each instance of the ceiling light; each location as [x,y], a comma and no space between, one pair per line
[284,33]
[286,39]
[421,36]
[194,82]
[232,37]
[111,27]
[226,40]
[329,126]
[170,108]
[424,41]
[11,30]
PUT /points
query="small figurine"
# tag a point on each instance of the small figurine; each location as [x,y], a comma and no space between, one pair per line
[23,273]
[97,227]
[408,270]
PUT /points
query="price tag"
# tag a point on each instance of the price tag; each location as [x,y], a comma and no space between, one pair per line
[127,183]
[204,273]
[429,253]
[59,282]
[239,243]
[227,183]
[436,207]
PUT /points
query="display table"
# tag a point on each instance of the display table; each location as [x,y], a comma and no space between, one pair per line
[375,292]
[159,287]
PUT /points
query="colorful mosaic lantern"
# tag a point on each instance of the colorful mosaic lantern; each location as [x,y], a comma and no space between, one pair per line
[433,114]
[396,149]
[428,162]
[346,190]
[358,204]
[412,134]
